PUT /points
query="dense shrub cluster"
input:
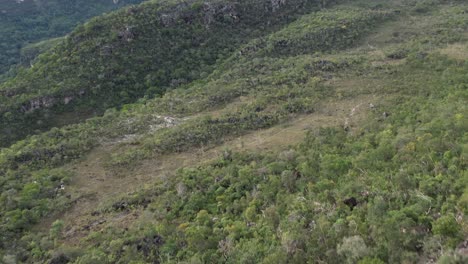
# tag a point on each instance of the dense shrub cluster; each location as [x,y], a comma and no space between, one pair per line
[408,186]
[394,193]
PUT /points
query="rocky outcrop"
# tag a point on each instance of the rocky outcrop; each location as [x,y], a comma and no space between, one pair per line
[48,102]
[170,17]
[38,103]
[276,4]
[67,99]
[209,12]
[462,248]
[168,20]
[212,11]
[126,34]
[8,93]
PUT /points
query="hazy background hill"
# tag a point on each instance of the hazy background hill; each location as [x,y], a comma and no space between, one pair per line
[27,21]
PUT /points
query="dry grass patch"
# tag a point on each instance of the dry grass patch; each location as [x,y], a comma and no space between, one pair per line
[456,51]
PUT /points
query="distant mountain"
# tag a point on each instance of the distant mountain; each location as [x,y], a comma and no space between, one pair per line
[27,21]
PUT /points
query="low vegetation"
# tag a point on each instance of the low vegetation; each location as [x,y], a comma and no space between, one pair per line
[391,188]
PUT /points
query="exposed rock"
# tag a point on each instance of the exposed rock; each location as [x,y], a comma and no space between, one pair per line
[67,99]
[8,93]
[167,122]
[462,248]
[276,4]
[168,20]
[38,103]
[127,34]
[346,125]
[48,101]
[229,10]
[227,155]
[209,12]
[71,232]
[181,189]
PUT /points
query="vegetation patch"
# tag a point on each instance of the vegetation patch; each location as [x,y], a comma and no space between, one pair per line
[142,183]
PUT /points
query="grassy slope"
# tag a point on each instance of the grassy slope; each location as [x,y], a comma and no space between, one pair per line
[258,203]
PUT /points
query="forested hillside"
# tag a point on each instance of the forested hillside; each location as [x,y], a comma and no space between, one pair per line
[120,57]
[289,131]
[28,21]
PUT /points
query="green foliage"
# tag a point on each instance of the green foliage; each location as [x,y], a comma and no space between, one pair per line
[28,21]
[135,51]
[405,170]
[352,249]
[446,226]
[251,207]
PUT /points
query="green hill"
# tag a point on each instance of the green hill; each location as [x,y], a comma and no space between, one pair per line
[243,132]
[28,21]
[120,57]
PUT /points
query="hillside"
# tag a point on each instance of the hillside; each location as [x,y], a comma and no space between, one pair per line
[117,58]
[242,132]
[29,21]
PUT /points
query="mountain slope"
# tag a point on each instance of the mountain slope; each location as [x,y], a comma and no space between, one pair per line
[375,93]
[29,21]
[139,51]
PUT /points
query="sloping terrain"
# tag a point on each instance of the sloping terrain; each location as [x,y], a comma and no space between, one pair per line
[144,50]
[28,21]
[334,136]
